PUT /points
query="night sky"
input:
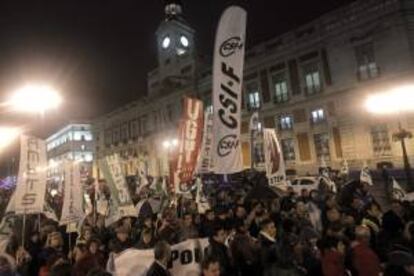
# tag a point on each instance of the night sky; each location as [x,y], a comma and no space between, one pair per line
[98,53]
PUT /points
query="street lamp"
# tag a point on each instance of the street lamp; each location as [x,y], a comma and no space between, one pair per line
[169,145]
[35,98]
[8,135]
[397,100]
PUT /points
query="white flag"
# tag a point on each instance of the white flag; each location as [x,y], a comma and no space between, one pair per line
[254,122]
[397,191]
[72,210]
[345,167]
[31,182]
[227,90]
[202,203]
[121,204]
[366,176]
[274,162]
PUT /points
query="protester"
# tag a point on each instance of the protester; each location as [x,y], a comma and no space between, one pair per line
[210,266]
[162,255]
[316,233]
[364,259]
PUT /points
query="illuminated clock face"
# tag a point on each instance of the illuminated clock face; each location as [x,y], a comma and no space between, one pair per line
[184,41]
[166,42]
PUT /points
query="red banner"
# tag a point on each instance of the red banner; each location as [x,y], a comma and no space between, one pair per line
[190,137]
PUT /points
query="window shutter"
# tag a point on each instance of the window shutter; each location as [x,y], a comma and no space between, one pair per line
[264,81]
[326,68]
[246,154]
[331,109]
[269,122]
[294,76]
[304,147]
[244,127]
[299,115]
[337,142]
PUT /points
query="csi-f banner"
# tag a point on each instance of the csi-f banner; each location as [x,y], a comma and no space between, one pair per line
[31,182]
[186,258]
[205,159]
[274,162]
[120,204]
[227,90]
[72,210]
[191,130]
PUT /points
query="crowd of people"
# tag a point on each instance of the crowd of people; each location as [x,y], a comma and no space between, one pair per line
[310,233]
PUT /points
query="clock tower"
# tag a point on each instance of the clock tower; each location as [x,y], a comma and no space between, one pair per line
[176,51]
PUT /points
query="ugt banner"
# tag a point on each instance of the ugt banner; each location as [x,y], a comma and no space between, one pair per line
[31,182]
[227,90]
[121,204]
[72,210]
[191,130]
[185,259]
[274,162]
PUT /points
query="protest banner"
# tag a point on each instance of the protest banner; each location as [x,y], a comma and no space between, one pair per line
[274,162]
[72,210]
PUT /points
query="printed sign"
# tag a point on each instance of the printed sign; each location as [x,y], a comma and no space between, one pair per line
[227,90]
[185,259]
[274,162]
[31,182]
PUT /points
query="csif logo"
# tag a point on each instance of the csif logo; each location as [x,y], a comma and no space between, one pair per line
[227,144]
[230,46]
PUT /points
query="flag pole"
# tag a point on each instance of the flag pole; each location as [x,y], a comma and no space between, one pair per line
[24,229]
[70,246]
[38,221]
[252,143]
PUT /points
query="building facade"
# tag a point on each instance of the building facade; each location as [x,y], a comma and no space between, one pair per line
[309,83]
[73,142]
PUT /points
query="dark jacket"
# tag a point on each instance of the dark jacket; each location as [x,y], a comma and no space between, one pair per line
[221,252]
[157,270]
[245,253]
[268,253]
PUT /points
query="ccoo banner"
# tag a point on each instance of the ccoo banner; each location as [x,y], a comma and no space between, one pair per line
[31,182]
[274,162]
[191,131]
[227,90]
[185,259]
[72,210]
[121,204]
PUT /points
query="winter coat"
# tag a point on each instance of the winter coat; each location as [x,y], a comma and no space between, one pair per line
[333,263]
[365,261]
[220,251]
[245,254]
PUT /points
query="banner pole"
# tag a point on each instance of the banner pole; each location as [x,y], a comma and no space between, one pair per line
[70,246]
[24,229]
[38,221]
[252,144]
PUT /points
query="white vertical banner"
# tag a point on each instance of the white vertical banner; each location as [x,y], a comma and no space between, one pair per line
[72,210]
[365,175]
[121,204]
[31,182]
[274,162]
[205,163]
[227,90]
